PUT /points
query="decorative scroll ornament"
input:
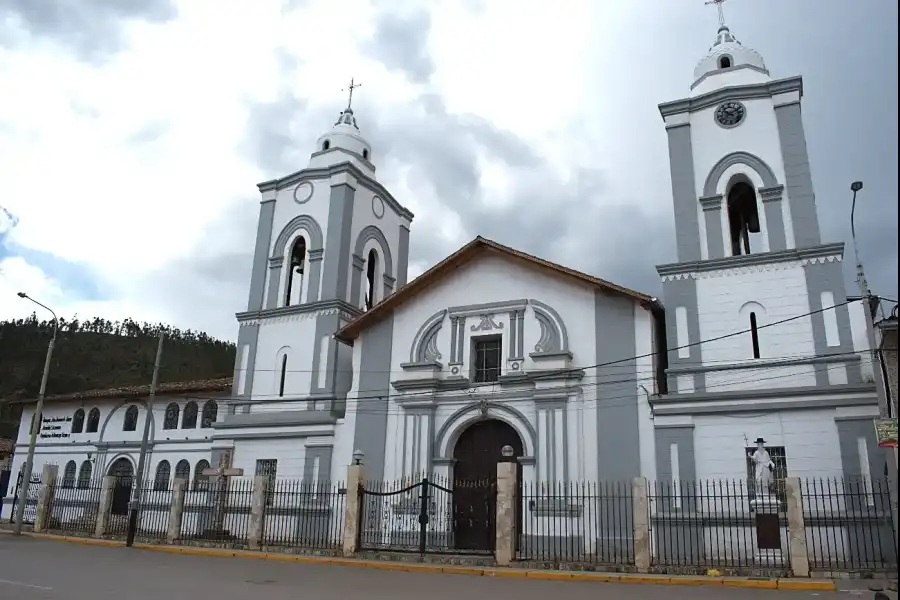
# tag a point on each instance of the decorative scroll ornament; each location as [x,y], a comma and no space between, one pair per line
[487,323]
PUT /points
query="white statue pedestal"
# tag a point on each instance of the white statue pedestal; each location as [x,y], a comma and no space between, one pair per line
[768,530]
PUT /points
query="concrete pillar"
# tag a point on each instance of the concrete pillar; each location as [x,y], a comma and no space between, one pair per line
[45,497]
[507,499]
[641,509]
[355,481]
[107,487]
[257,512]
[176,512]
[796,528]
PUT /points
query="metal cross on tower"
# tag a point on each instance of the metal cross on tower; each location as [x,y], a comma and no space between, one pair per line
[718,4]
[350,89]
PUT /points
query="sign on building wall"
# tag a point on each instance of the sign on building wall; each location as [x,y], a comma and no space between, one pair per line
[55,427]
[886,432]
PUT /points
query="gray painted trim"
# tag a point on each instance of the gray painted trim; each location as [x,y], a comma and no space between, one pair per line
[703,77]
[352,153]
[328,172]
[737,401]
[765,364]
[261,254]
[402,256]
[554,335]
[618,434]
[829,277]
[765,258]
[370,232]
[738,406]
[278,435]
[304,222]
[284,418]
[457,338]
[771,200]
[737,158]
[248,335]
[326,326]
[370,432]
[424,347]
[555,409]
[454,425]
[340,306]
[324,454]
[683,437]
[683,293]
[673,425]
[801,199]
[140,423]
[737,92]
[712,213]
[336,268]
[764,394]
[441,384]
[684,195]
[476,310]
[867,418]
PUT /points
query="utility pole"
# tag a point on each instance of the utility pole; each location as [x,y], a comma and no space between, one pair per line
[135,504]
[36,423]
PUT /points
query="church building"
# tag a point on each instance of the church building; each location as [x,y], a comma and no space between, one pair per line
[585,380]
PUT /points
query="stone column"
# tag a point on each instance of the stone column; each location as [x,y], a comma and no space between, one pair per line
[641,509]
[45,497]
[257,512]
[796,528]
[507,499]
[176,512]
[355,479]
[106,495]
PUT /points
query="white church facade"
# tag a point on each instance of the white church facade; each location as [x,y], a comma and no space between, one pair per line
[753,336]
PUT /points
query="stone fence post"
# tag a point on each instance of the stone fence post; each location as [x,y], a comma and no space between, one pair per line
[257,512]
[641,510]
[355,481]
[107,487]
[176,512]
[507,508]
[45,497]
[796,528]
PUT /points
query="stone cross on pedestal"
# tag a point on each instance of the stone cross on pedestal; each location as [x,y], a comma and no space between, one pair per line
[221,476]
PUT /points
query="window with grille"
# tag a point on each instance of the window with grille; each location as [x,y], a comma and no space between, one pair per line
[268,468]
[779,473]
[486,359]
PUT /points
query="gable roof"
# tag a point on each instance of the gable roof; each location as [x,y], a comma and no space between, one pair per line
[163,389]
[467,253]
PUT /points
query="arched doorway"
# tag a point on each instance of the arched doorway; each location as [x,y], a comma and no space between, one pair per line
[477,452]
[123,471]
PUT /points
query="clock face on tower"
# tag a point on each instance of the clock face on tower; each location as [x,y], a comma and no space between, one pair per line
[730,114]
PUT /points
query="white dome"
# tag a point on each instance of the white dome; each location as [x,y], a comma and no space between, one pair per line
[727,52]
[345,135]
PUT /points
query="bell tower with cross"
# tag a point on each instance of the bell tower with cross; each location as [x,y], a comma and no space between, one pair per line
[332,241]
[749,250]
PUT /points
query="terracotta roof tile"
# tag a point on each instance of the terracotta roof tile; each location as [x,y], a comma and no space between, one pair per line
[459,258]
[163,389]
[6,445]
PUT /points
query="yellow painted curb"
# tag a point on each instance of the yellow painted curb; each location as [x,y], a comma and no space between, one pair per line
[73,539]
[508,573]
[760,584]
[631,578]
[549,575]
[811,585]
[689,580]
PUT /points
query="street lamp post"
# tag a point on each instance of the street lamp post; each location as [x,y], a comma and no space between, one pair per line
[36,426]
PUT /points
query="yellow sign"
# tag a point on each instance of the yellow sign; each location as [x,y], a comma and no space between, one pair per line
[886,432]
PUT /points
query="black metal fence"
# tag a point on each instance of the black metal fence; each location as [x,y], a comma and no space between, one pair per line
[156,506]
[217,511]
[30,498]
[848,524]
[576,523]
[75,506]
[304,515]
[716,524]
[428,515]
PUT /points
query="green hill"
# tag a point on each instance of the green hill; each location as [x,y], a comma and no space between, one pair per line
[99,354]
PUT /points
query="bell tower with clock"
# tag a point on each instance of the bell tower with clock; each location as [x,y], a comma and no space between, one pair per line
[749,251]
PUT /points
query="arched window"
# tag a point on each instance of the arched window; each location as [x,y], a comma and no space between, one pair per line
[283,375]
[743,217]
[326,145]
[189,420]
[93,421]
[69,474]
[201,481]
[294,292]
[78,421]
[754,335]
[84,475]
[725,62]
[171,419]
[365,154]
[210,412]
[371,269]
[131,419]
[183,470]
[161,481]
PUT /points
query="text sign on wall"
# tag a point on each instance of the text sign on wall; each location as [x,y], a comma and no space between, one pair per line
[886,432]
[52,427]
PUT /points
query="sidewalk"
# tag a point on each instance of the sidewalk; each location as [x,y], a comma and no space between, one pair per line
[499,572]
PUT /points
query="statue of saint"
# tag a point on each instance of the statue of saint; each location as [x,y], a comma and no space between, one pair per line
[762,467]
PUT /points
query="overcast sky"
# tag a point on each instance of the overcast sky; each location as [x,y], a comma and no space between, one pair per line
[133,132]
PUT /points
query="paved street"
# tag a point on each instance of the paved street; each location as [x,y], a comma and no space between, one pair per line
[33,569]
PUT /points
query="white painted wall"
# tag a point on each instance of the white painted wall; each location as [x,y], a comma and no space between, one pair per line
[290,454]
[294,335]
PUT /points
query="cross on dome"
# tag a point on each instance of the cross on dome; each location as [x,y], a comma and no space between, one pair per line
[726,53]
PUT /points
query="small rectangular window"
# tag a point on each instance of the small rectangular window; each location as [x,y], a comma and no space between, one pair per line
[754,335]
[268,468]
[486,353]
